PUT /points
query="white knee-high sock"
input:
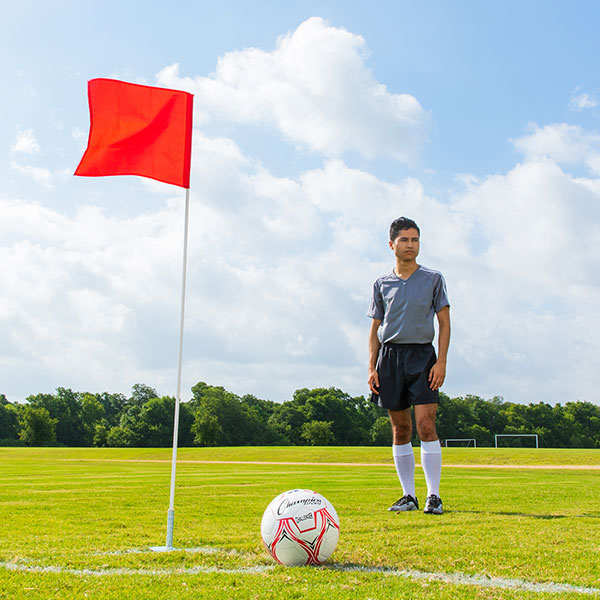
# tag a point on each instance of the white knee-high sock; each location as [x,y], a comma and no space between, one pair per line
[404,459]
[431,459]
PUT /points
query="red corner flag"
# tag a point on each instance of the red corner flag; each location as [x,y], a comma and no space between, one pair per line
[138,130]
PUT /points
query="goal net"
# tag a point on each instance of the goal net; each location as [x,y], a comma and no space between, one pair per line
[461,442]
[535,439]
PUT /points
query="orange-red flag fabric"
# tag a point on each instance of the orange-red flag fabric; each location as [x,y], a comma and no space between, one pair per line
[138,130]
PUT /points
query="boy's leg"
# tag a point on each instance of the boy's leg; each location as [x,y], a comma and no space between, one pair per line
[404,458]
[425,420]
[431,450]
[401,421]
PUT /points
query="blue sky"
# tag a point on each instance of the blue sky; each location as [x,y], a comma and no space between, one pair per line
[316,123]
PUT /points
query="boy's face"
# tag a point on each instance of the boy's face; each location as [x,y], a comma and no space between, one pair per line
[406,244]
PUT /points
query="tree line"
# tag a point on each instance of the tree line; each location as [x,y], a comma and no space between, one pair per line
[320,417]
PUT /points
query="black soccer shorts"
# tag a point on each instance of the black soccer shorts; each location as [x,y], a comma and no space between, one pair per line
[404,376]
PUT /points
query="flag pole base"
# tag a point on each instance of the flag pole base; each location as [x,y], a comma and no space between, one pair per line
[169,545]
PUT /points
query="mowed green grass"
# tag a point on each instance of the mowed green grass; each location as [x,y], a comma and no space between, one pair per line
[79,511]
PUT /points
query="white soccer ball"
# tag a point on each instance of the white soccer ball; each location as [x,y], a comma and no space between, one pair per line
[300,527]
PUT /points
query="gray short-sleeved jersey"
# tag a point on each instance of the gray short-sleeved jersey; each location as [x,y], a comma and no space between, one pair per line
[406,307]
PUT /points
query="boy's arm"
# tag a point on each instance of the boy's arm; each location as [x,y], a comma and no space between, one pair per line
[374,346]
[438,371]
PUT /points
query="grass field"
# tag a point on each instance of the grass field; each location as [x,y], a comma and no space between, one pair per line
[77,523]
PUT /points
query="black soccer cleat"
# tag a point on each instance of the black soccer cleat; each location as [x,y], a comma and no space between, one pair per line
[433,505]
[404,504]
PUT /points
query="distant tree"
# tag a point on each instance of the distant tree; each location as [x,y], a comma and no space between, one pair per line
[65,407]
[114,405]
[324,416]
[480,434]
[470,417]
[92,412]
[141,393]
[381,432]
[121,437]
[186,420]
[147,425]
[259,431]
[350,418]
[517,420]
[262,408]
[365,413]
[207,429]
[485,414]
[334,406]
[317,433]
[156,422]
[9,420]
[101,431]
[37,426]
[128,433]
[219,418]
[287,420]
[583,422]
[155,426]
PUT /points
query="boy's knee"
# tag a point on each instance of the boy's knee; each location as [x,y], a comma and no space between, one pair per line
[401,430]
[426,430]
[402,435]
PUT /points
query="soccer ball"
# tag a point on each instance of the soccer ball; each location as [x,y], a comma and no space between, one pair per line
[300,527]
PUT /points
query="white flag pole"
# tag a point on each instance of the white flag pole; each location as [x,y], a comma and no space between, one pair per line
[171,512]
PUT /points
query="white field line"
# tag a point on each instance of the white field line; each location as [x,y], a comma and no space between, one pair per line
[196,550]
[325,464]
[473,580]
[124,571]
[450,578]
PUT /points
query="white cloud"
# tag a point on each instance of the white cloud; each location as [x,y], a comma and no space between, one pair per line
[93,300]
[25,143]
[563,143]
[281,268]
[526,297]
[280,272]
[74,290]
[42,175]
[80,136]
[299,346]
[316,90]
[582,101]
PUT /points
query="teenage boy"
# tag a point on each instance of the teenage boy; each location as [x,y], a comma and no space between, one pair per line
[403,368]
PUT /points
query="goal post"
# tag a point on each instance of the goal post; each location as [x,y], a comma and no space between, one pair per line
[533,435]
[468,440]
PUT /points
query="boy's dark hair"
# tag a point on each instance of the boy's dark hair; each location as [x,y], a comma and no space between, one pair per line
[400,224]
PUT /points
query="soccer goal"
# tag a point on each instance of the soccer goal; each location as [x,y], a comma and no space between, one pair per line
[533,435]
[462,442]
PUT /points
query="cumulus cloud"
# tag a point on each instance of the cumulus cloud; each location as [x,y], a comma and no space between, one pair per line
[582,101]
[563,143]
[270,259]
[25,143]
[316,89]
[73,290]
[529,299]
[41,175]
[80,136]
[280,272]
[281,267]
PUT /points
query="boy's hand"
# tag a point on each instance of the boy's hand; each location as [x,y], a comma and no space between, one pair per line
[437,375]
